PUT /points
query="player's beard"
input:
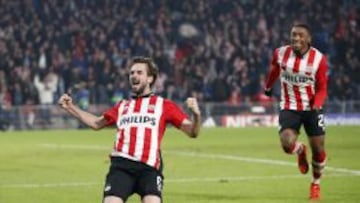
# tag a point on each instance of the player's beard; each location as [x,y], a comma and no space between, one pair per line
[140,90]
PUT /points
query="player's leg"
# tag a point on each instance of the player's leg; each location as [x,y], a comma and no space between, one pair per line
[151,199]
[149,185]
[290,122]
[113,199]
[315,129]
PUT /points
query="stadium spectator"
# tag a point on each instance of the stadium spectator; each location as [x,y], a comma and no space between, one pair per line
[96,39]
[136,163]
[302,70]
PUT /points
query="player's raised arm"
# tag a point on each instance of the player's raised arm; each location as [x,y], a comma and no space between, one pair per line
[91,120]
[192,128]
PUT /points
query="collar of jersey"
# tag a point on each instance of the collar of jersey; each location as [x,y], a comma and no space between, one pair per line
[302,55]
[134,96]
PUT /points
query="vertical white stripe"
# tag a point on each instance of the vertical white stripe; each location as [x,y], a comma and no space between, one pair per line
[280,59]
[289,68]
[303,93]
[127,128]
[141,129]
[282,53]
[120,110]
[140,134]
[144,105]
[317,59]
[155,132]
[125,148]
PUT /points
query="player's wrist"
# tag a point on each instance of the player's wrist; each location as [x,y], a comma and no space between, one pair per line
[317,108]
[196,112]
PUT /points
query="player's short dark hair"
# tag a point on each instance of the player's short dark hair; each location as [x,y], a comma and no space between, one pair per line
[152,69]
[303,25]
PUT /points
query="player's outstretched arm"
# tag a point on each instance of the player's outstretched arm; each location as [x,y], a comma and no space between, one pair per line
[192,128]
[91,120]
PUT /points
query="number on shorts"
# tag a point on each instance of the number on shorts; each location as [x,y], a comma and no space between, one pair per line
[321,122]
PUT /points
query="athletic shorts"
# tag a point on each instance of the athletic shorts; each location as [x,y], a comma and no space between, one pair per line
[126,177]
[313,121]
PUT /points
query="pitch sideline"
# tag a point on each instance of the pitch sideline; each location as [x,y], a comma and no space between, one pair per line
[213,156]
[176,180]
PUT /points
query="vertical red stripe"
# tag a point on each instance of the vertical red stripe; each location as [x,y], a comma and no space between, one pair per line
[310,94]
[146,146]
[132,144]
[286,56]
[310,62]
[286,96]
[284,85]
[157,163]
[296,65]
[311,58]
[298,99]
[121,141]
[137,105]
[299,105]
[126,108]
[161,130]
[151,107]
[158,157]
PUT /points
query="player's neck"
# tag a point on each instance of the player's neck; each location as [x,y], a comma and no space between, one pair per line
[302,52]
[145,93]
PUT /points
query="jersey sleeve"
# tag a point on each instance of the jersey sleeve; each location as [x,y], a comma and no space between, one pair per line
[111,115]
[321,83]
[173,113]
[274,72]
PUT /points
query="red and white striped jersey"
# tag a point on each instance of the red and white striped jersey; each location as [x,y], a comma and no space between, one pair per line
[141,123]
[303,78]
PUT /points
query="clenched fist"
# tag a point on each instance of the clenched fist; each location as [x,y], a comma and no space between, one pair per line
[192,104]
[65,101]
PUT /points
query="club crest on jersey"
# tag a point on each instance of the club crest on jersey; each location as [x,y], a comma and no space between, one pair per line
[151,107]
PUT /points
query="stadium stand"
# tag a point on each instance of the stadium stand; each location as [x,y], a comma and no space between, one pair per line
[217,51]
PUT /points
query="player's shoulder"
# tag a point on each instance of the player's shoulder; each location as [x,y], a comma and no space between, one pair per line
[282,49]
[168,101]
[158,99]
[317,51]
[118,103]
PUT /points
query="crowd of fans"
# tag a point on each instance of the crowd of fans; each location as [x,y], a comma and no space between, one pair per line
[217,51]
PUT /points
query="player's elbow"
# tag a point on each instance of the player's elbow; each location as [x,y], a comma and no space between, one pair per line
[95,127]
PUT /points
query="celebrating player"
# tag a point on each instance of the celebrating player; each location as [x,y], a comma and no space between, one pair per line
[302,70]
[136,163]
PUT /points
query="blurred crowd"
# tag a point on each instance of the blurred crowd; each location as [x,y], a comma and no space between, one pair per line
[215,50]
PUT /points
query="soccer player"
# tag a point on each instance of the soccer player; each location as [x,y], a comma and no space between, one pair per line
[136,163]
[302,70]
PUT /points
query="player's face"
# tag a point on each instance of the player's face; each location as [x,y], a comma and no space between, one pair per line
[300,39]
[139,79]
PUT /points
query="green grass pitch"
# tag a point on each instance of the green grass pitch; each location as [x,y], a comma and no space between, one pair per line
[223,166]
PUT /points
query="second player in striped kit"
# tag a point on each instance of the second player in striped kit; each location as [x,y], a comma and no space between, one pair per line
[302,70]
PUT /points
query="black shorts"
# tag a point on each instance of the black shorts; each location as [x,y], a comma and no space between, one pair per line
[126,177]
[313,121]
